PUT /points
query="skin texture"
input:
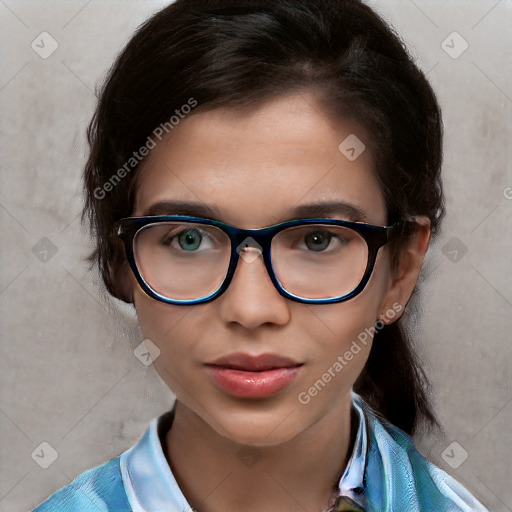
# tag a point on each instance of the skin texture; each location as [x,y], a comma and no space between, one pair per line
[255,165]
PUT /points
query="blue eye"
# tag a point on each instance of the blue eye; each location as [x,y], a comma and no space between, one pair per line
[189,240]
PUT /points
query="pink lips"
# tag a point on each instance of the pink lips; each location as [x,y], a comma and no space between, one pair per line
[248,376]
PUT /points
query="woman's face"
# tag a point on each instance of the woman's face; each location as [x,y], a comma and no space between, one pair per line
[255,168]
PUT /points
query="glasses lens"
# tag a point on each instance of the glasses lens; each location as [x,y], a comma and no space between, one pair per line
[182,261]
[318,261]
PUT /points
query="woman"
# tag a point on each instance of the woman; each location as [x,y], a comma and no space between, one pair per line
[263,183]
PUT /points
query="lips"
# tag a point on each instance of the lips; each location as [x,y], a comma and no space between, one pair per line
[248,363]
[245,376]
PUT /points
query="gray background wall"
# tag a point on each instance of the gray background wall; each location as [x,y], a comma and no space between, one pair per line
[68,373]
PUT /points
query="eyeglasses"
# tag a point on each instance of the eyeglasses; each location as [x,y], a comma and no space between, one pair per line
[190,260]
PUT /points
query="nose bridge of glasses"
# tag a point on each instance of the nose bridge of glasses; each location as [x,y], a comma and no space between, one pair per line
[251,244]
[251,241]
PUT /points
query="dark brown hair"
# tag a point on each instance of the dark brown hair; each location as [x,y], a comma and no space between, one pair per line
[240,53]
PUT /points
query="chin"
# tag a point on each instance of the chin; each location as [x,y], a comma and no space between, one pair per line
[257,428]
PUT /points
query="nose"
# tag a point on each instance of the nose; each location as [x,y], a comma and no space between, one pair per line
[251,298]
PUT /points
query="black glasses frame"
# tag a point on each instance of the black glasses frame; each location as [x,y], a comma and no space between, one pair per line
[374,236]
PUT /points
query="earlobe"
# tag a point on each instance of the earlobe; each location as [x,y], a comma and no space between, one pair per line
[405,277]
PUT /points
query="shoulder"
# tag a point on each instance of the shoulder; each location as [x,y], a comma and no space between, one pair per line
[99,489]
[408,477]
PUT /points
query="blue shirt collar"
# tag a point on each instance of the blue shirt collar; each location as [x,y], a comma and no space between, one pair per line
[351,483]
[151,486]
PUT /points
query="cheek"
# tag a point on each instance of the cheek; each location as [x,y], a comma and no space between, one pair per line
[170,329]
[342,335]
[156,319]
[342,322]
[344,332]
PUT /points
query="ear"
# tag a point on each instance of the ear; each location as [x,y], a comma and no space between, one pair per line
[120,272]
[406,273]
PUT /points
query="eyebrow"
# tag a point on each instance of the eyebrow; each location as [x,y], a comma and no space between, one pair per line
[313,210]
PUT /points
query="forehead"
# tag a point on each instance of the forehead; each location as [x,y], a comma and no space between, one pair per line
[255,165]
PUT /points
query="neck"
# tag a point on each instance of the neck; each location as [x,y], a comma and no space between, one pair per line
[216,474]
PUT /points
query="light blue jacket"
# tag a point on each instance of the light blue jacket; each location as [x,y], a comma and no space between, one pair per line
[384,474]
